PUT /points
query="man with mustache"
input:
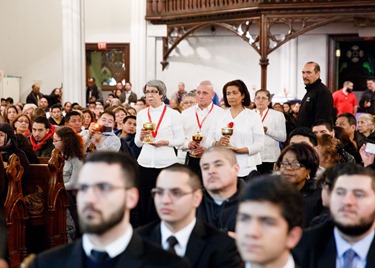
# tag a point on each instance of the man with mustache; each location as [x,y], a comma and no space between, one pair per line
[106,194]
[345,100]
[317,102]
[347,240]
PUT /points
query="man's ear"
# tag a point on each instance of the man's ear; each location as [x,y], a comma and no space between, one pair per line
[294,237]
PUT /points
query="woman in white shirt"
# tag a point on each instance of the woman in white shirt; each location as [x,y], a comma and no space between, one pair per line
[274,127]
[248,135]
[168,133]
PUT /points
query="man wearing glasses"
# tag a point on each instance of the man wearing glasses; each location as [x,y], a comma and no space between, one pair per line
[176,196]
[106,194]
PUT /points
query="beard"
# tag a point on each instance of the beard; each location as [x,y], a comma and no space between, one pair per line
[358,229]
[348,90]
[104,225]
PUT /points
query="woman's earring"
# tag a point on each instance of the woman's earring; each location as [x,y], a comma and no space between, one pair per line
[308,177]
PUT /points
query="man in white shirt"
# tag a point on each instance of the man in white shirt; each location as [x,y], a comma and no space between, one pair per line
[269,222]
[106,194]
[198,119]
[347,240]
[177,195]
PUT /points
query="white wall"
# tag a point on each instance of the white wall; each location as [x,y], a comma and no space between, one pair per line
[30,43]
[30,46]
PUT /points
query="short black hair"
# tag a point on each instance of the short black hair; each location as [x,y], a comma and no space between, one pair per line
[42,120]
[323,122]
[306,132]
[127,164]
[70,114]
[126,118]
[351,118]
[56,105]
[276,190]
[241,87]
[352,169]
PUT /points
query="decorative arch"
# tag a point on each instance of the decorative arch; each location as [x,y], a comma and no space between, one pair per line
[264,41]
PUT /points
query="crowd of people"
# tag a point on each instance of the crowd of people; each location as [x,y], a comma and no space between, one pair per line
[239,183]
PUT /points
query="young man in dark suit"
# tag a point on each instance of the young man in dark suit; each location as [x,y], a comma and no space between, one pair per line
[269,222]
[177,195]
[106,194]
[347,240]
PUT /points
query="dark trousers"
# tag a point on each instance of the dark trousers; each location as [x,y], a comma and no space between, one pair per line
[265,168]
[146,207]
[193,164]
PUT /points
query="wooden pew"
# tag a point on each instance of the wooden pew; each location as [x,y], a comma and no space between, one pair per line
[47,228]
[15,211]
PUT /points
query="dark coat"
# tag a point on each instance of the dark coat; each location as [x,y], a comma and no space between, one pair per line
[317,248]
[316,104]
[32,98]
[222,217]
[139,253]
[207,246]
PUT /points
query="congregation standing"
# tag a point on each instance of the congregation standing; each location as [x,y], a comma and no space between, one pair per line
[243,184]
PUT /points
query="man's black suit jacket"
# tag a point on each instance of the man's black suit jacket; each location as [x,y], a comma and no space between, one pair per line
[207,246]
[139,253]
[317,248]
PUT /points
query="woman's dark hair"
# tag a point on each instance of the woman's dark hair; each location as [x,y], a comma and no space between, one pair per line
[6,112]
[305,154]
[73,143]
[330,147]
[88,111]
[243,90]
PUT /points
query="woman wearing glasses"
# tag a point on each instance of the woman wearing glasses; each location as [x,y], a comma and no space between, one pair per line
[298,163]
[22,125]
[158,145]
[274,130]
[248,134]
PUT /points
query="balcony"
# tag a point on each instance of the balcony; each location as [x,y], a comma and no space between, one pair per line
[192,11]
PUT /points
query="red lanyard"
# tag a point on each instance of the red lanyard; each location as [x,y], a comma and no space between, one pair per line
[155,133]
[199,123]
[264,117]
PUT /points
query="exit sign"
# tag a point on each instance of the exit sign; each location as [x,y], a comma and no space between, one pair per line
[102,46]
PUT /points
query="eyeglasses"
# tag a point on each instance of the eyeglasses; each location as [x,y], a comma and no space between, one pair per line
[174,193]
[261,98]
[294,165]
[101,188]
[189,102]
[56,140]
[23,121]
[152,92]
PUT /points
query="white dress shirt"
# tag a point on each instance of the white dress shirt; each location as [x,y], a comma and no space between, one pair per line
[361,248]
[247,132]
[113,249]
[170,129]
[290,263]
[191,125]
[276,132]
[182,237]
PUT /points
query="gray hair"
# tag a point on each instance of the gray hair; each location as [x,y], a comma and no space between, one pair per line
[158,84]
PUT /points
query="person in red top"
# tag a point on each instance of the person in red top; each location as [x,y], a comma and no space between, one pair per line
[345,100]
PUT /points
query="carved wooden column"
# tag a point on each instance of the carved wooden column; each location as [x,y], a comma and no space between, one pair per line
[264,45]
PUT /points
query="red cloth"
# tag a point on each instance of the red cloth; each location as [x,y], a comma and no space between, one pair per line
[344,103]
[37,146]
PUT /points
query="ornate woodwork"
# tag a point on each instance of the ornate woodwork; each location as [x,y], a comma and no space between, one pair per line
[297,17]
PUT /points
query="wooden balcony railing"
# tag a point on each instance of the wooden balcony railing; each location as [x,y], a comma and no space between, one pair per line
[162,11]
